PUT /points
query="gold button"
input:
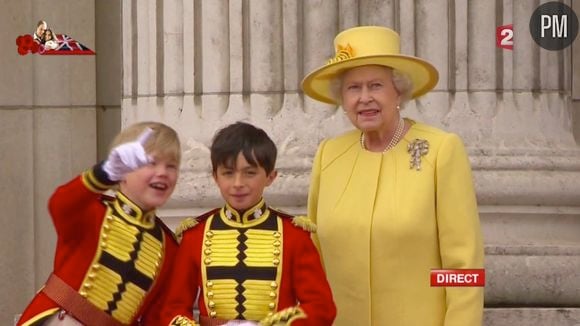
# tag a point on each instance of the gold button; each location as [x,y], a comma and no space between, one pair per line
[207,261]
[208,242]
[96,266]
[212,314]
[272,294]
[277,234]
[92,275]
[87,285]
[276,261]
[109,217]
[273,285]
[83,294]
[271,305]
[209,284]
[103,245]
[270,314]
[106,227]
[210,294]
[209,234]
[207,251]
[276,252]
[211,304]
[277,243]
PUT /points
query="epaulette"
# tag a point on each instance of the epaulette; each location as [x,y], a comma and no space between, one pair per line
[190,222]
[301,221]
[304,222]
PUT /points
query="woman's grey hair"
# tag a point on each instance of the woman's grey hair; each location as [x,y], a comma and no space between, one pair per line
[402,82]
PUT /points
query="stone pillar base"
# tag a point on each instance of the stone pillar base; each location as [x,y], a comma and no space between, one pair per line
[531,316]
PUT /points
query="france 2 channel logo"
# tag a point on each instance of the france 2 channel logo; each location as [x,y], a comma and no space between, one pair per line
[504,36]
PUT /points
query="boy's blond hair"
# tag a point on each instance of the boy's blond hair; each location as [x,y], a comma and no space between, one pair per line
[163,142]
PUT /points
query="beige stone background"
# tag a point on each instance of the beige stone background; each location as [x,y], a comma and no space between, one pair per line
[200,64]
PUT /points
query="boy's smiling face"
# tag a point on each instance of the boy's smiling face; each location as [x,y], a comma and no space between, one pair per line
[242,185]
[151,185]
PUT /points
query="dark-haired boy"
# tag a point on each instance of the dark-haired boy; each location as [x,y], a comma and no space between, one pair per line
[249,262]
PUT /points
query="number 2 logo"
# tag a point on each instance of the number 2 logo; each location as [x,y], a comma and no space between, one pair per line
[505,37]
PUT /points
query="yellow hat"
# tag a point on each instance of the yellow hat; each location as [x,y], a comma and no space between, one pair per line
[369,45]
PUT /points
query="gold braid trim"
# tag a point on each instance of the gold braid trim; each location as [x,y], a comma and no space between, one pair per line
[182,321]
[284,317]
[92,183]
[185,225]
[305,223]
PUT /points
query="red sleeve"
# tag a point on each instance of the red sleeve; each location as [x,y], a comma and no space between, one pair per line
[309,280]
[75,199]
[184,280]
[70,206]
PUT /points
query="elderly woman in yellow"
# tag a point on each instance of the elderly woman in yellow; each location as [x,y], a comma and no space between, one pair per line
[393,198]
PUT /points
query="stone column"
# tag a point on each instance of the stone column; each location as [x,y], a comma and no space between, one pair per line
[48,135]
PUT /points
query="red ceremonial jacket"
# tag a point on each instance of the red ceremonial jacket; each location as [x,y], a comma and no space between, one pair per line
[115,255]
[261,266]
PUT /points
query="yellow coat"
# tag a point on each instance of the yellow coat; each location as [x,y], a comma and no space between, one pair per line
[383,226]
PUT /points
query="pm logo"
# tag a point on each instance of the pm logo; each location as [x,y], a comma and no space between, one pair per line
[554,26]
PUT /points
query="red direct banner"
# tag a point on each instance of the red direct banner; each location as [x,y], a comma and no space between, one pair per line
[458,277]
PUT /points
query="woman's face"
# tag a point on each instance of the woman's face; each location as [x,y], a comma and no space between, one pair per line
[370,98]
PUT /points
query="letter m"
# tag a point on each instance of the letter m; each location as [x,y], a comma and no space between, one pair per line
[560,29]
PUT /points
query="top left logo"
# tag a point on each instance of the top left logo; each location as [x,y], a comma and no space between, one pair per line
[45,41]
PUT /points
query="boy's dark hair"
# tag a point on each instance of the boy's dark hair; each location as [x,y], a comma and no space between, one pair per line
[258,149]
